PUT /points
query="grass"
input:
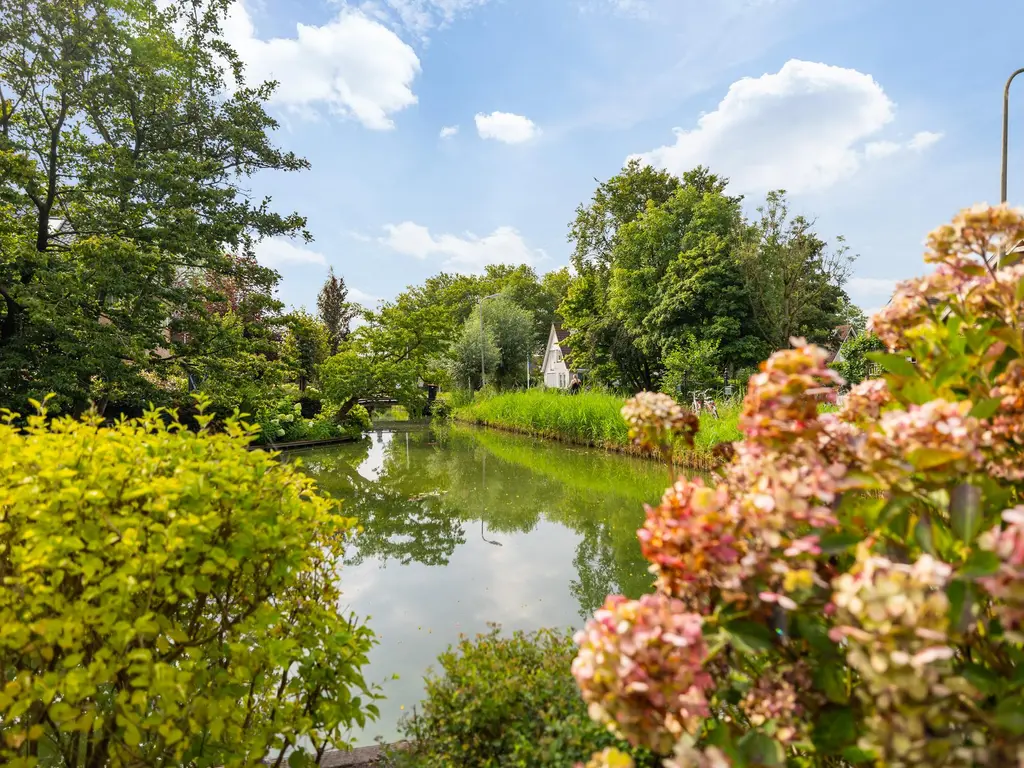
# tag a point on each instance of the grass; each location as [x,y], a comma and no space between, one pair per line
[591,418]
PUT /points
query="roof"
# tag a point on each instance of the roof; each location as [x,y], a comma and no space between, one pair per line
[561,335]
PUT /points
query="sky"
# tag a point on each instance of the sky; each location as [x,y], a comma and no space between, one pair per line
[445,135]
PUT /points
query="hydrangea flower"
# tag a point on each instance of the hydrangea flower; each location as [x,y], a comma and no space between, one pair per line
[640,669]
[1007,585]
[654,418]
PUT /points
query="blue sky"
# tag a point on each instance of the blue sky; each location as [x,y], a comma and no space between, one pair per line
[882,119]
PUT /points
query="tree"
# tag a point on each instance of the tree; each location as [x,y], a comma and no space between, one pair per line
[307,344]
[335,310]
[855,366]
[508,338]
[599,342]
[794,282]
[129,148]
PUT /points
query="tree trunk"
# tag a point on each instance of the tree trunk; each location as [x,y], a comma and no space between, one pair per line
[346,407]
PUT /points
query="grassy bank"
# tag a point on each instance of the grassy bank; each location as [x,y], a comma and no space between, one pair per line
[590,418]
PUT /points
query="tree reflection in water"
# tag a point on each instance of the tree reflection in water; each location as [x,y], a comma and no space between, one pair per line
[430,483]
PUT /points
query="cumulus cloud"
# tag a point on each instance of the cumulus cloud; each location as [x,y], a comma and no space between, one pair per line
[506,126]
[803,128]
[362,297]
[277,252]
[353,66]
[467,253]
[448,131]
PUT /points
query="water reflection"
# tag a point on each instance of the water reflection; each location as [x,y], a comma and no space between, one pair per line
[557,534]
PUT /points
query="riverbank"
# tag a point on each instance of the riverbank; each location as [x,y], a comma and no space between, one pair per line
[593,419]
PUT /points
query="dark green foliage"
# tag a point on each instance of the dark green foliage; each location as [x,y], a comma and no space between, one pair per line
[506,701]
[855,366]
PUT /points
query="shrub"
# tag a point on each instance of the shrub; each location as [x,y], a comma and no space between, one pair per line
[505,701]
[442,406]
[169,598]
[357,419]
[850,589]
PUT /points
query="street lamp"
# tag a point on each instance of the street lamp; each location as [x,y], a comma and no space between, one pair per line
[1006,132]
[482,300]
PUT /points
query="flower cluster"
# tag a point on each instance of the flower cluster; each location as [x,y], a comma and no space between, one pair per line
[688,755]
[1007,585]
[865,401]
[640,669]
[776,697]
[654,418]
[937,436]
[894,619]
[1007,425]
[782,399]
[695,542]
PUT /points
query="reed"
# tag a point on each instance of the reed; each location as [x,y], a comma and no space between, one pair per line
[591,418]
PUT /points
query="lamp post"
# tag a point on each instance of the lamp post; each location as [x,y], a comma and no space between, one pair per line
[482,300]
[1006,132]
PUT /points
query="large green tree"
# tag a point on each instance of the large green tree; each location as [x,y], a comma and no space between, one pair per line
[126,129]
[508,338]
[794,281]
[599,341]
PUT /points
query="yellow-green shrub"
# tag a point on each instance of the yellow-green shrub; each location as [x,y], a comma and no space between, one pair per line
[168,598]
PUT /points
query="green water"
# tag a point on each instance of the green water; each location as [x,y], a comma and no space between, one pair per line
[465,527]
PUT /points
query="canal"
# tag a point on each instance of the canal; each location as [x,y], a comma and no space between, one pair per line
[464,527]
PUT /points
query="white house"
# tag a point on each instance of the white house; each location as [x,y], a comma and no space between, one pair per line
[557,372]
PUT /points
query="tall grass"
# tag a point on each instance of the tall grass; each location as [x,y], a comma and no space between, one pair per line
[591,418]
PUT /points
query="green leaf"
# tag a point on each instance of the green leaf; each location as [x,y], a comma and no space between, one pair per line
[833,543]
[857,756]
[979,564]
[923,535]
[750,637]
[929,458]
[759,749]
[985,680]
[961,595]
[814,631]
[897,364]
[831,679]
[983,409]
[1009,716]
[834,730]
[965,511]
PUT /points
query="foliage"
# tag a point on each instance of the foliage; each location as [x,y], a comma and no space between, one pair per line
[692,363]
[508,339]
[849,589]
[664,263]
[855,365]
[589,418]
[505,701]
[334,310]
[124,154]
[443,406]
[170,598]
[794,283]
[307,344]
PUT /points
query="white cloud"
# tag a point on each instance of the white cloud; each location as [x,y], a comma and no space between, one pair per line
[276,252]
[802,129]
[353,66]
[923,139]
[468,253]
[919,142]
[448,131]
[362,297]
[420,16]
[638,9]
[506,127]
[864,289]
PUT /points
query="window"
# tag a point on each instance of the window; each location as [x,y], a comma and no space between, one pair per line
[561,380]
[558,356]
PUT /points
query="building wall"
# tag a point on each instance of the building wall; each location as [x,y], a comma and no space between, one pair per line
[556,372]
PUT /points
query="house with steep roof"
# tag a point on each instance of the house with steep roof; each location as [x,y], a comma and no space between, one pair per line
[556,367]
